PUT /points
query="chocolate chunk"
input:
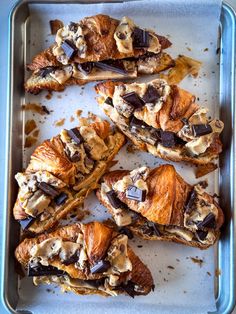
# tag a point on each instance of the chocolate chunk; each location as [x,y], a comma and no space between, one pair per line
[45,109]
[71,260]
[41,270]
[129,288]
[140,38]
[136,123]
[114,200]
[127,232]
[95,283]
[190,205]
[201,234]
[101,267]
[109,101]
[148,230]
[113,66]
[151,95]
[75,135]
[167,138]
[121,36]
[156,230]
[69,48]
[76,157]
[61,198]
[48,189]
[208,222]
[45,71]
[26,223]
[134,100]
[85,68]
[185,121]
[201,129]
[73,27]
[136,194]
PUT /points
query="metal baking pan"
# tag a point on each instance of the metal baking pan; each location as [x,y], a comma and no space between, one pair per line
[224,252]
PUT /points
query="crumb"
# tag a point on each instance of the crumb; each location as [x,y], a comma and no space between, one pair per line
[206,49]
[217,272]
[218,50]
[45,109]
[30,125]
[72,119]
[36,133]
[34,108]
[92,116]
[49,95]
[139,246]
[131,149]
[170,267]
[59,96]
[48,290]
[184,291]
[30,141]
[78,113]
[81,214]
[59,122]
[215,195]
[208,273]
[177,260]
[160,271]
[189,49]
[165,280]
[197,260]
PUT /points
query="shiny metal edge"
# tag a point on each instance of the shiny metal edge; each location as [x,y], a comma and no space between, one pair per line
[225,301]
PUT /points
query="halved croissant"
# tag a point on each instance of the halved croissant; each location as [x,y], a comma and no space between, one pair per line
[85,259]
[61,173]
[162,119]
[93,42]
[163,206]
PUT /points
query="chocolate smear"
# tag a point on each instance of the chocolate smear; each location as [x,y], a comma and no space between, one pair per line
[208,222]
[48,189]
[151,95]
[134,100]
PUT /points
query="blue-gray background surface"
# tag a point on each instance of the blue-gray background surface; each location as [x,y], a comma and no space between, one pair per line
[5,7]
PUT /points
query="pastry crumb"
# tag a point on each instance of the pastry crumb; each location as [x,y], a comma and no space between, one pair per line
[30,125]
[49,95]
[78,113]
[72,119]
[217,272]
[55,25]
[131,149]
[30,141]
[38,108]
[59,122]
[170,267]
[208,273]
[197,260]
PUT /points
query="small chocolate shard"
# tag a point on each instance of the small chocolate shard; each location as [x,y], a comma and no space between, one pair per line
[129,289]
[136,194]
[85,68]
[113,66]
[140,38]
[61,198]
[27,222]
[190,206]
[153,287]
[201,234]
[55,25]
[75,135]
[208,222]
[136,123]
[134,100]
[48,189]
[76,157]
[101,267]
[41,270]
[127,232]
[201,129]
[167,138]
[45,71]
[114,200]
[156,230]
[151,95]
[72,259]
[69,48]
[45,109]
[109,101]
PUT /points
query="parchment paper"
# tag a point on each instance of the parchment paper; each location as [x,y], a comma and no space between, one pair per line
[192,27]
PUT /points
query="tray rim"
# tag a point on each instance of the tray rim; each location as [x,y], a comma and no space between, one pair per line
[227,307]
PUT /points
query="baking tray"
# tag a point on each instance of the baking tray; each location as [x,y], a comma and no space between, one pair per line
[224,253]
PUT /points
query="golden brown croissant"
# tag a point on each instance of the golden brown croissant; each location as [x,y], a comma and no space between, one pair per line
[158,204]
[62,171]
[97,48]
[86,259]
[162,119]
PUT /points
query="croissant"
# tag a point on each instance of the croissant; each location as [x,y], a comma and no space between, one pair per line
[97,48]
[162,119]
[61,173]
[157,204]
[85,259]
